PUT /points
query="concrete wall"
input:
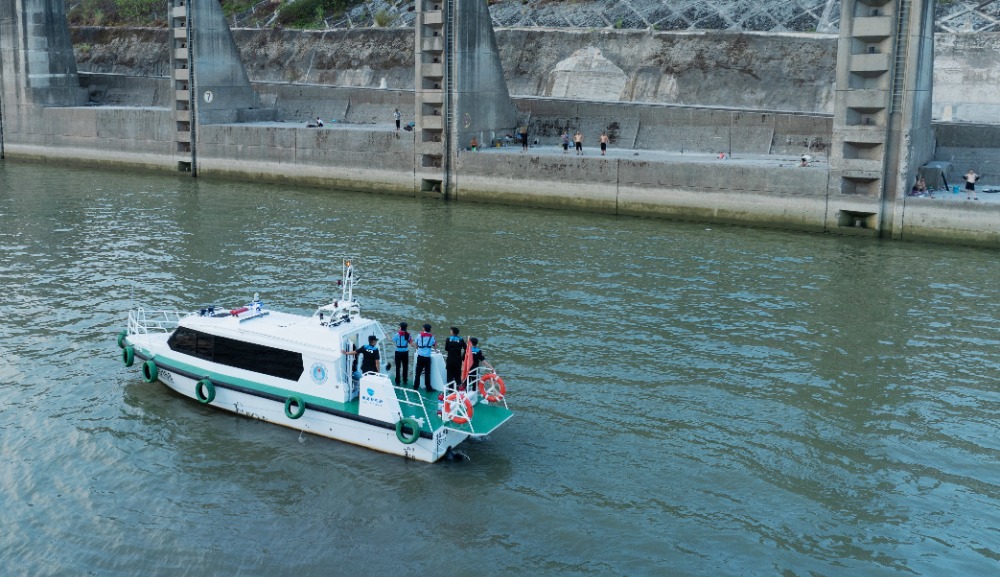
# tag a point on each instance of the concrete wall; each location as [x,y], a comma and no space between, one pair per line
[966,146]
[697,190]
[92,136]
[664,127]
[346,158]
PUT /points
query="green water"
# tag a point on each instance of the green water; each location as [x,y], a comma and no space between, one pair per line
[689,400]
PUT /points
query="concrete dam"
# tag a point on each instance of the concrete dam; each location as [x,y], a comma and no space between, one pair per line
[200,98]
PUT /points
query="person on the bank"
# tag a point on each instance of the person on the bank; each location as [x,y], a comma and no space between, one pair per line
[425,343]
[523,131]
[454,347]
[369,355]
[402,340]
[396,116]
[565,141]
[578,141]
[604,142]
[970,185]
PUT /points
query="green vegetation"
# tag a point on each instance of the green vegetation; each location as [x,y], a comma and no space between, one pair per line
[293,14]
[118,12]
[310,13]
[382,18]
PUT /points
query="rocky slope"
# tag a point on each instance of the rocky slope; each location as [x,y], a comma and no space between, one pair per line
[734,15]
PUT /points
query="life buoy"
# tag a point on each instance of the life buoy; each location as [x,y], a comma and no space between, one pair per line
[491,387]
[150,371]
[128,356]
[456,398]
[121,338]
[204,391]
[288,407]
[414,426]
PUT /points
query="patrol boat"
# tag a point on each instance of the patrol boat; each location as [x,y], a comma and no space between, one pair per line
[292,370]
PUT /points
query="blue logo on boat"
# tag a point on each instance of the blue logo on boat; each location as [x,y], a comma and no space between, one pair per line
[318,372]
[371,392]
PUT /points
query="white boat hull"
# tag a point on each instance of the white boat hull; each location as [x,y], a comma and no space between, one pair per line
[372,436]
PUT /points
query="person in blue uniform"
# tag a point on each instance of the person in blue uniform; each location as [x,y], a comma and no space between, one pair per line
[402,340]
[425,343]
[455,349]
[369,355]
[478,358]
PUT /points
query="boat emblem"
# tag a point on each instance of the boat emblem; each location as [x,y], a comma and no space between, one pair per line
[371,392]
[318,372]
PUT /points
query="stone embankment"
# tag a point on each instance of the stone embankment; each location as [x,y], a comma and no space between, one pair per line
[788,72]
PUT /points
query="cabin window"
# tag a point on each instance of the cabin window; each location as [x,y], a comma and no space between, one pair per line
[233,353]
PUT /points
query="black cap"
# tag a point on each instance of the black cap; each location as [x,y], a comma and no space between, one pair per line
[372,338]
[474,340]
[427,327]
[402,325]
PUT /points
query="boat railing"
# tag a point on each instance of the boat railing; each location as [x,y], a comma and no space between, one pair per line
[414,399]
[458,416]
[490,384]
[142,322]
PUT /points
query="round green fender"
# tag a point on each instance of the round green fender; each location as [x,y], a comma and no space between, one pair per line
[121,338]
[408,439]
[204,391]
[150,371]
[288,407]
[128,356]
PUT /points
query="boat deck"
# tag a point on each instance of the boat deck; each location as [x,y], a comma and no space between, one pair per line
[485,418]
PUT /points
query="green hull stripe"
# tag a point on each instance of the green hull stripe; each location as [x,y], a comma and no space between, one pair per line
[270,393]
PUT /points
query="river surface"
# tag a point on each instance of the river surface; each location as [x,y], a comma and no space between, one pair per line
[690,400]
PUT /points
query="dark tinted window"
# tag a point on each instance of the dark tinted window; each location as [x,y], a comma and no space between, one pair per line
[242,355]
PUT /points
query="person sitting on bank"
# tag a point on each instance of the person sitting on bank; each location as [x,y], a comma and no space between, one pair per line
[474,145]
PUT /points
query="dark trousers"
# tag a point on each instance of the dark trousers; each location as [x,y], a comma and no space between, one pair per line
[454,373]
[402,366]
[424,368]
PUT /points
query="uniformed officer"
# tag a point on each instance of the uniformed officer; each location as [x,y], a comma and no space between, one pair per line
[425,342]
[369,355]
[402,340]
[455,348]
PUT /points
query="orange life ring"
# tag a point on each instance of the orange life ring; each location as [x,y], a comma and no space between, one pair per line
[455,398]
[499,389]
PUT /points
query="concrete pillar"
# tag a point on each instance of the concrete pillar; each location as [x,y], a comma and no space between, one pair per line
[461,92]
[483,108]
[882,112]
[222,83]
[37,65]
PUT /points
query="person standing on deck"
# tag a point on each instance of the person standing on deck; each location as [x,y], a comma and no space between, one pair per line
[478,358]
[424,342]
[402,340]
[369,355]
[455,347]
